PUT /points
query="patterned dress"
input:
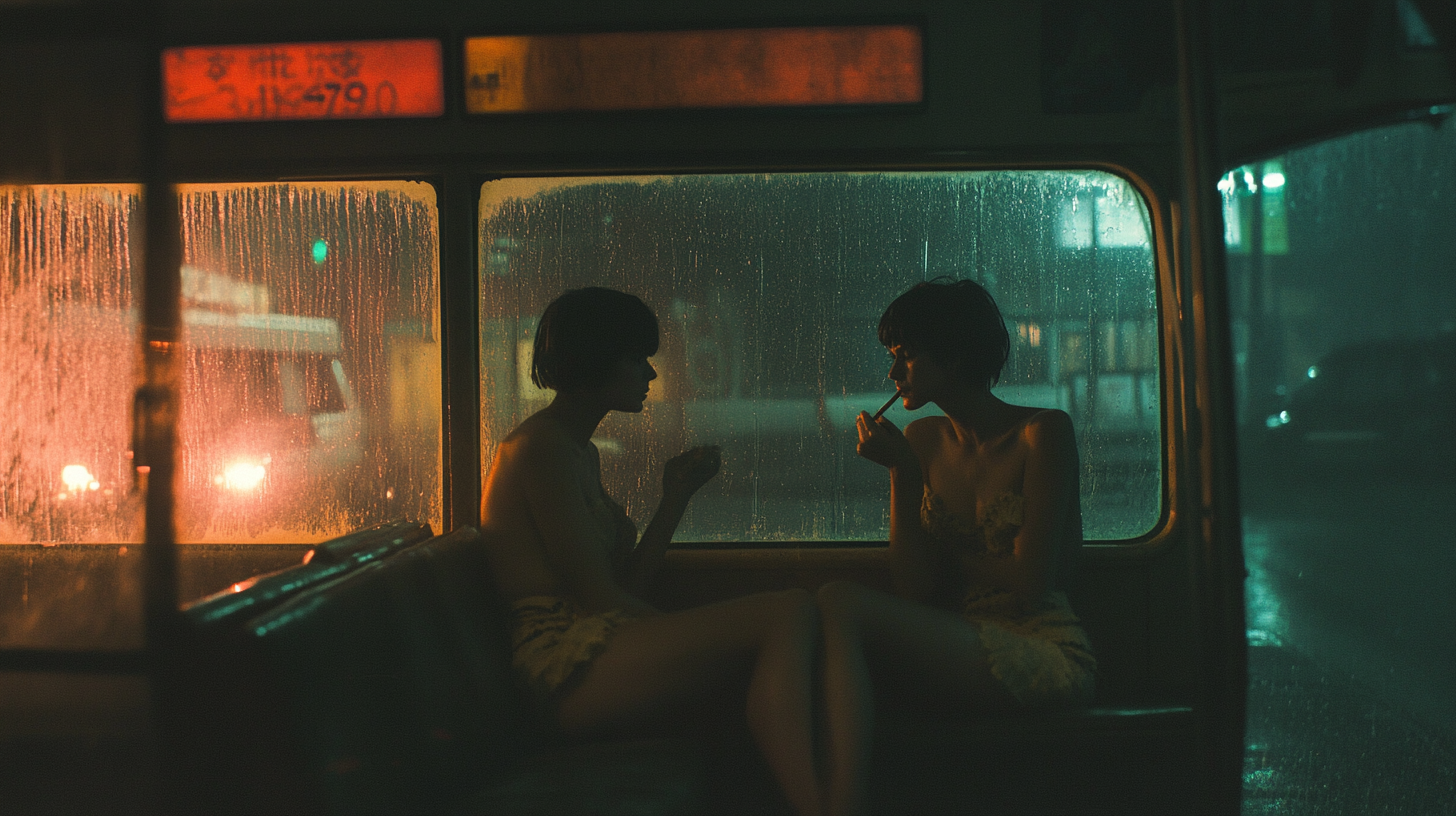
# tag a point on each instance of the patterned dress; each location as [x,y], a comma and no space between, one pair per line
[552,640]
[1040,654]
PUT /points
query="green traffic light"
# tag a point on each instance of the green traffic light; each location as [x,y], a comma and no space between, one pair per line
[320,251]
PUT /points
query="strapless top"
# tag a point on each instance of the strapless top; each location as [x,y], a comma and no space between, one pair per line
[621,529]
[993,532]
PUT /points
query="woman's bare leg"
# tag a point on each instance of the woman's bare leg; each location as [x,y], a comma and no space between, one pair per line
[868,634]
[768,639]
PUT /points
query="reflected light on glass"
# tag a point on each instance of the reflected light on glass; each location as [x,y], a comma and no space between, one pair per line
[1312,372]
[1273,181]
[1275,420]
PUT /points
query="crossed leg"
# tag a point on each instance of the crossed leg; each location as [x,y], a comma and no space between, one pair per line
[663,662]
[927,653]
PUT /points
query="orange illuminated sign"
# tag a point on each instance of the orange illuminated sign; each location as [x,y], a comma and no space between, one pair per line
[328,80]
[761,67]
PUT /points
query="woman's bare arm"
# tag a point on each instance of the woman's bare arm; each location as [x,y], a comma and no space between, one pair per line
[682,476]
[914,558]
[576,544]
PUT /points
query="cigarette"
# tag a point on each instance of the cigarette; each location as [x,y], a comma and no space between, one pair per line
[886,406]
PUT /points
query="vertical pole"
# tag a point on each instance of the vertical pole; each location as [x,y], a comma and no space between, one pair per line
[460,335]
[1218,560]
[156,408]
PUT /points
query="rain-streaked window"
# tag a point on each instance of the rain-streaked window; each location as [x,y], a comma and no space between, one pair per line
[310,402]
[769,288]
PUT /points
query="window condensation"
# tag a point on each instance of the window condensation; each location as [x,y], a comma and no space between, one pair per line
[67,363]
[312,401]
[311,385]
[769,289]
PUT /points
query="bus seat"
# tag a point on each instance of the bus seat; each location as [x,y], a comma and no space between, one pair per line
[477,631]
[370,544]
[324,563]
[636,776]
[393,688]
[1102,759]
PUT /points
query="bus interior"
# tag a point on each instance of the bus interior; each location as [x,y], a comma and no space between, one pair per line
[273,272]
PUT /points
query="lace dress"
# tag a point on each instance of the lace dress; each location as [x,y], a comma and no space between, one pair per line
[1040,654]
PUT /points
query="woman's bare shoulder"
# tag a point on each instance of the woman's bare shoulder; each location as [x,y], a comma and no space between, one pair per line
[927,436]
[1047,428]
[927,428]
[537,434]
[537,445]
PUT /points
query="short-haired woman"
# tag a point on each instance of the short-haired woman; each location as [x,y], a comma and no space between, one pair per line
[985,524]
[566,556]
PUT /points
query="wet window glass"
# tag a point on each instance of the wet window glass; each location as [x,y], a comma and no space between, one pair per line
[1342,275]
[769,289]
[310,395]
[312,398]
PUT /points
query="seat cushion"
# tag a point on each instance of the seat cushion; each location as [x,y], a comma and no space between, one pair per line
[639,777]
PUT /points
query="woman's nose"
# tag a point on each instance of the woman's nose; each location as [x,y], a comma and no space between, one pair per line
[651,372]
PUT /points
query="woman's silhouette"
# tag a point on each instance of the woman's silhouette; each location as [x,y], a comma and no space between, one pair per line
[565,555]
[985,523]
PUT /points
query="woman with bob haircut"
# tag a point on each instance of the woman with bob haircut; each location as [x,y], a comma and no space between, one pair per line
[593,654]
[985,524]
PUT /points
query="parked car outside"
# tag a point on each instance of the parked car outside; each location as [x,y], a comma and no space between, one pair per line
[1387,407]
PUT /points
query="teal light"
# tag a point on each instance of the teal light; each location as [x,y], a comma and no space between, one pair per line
[320,251]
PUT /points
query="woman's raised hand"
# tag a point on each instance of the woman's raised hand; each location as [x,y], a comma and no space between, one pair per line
[691,469]
[881,442]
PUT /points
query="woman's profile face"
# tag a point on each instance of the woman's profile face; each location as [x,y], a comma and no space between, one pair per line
[919,377]
[627,388]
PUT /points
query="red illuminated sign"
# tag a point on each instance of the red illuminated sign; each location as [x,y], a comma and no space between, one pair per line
[328,80]
[749,67]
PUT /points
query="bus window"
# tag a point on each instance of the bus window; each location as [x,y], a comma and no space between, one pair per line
[1342,275]
[310,393]
[67,345]
[311,385]
[769,289]
[312,405]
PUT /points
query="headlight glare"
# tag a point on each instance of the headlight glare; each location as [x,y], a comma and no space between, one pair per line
[243,476]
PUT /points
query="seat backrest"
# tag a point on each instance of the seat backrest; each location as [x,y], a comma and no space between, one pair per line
[394,681]
[370,544]
[479,624]
[326,562]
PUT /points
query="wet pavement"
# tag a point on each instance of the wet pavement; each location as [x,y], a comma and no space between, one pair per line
[1352,664]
